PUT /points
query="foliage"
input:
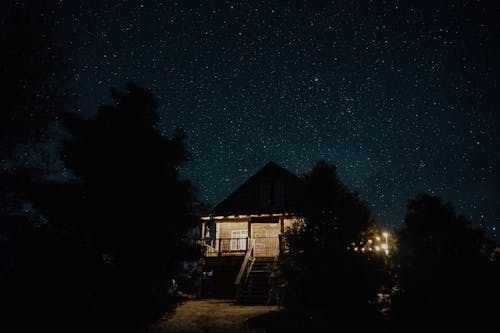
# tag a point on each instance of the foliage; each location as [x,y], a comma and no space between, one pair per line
[331,207]
[122,223]
[318,267]
[34,71]
[446,273]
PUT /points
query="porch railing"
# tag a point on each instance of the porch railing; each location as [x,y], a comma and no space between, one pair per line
[225,247]
[264,246]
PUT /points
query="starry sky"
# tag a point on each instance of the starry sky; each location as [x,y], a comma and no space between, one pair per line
[402,96]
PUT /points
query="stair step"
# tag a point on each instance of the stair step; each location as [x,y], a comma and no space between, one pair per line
[256,288]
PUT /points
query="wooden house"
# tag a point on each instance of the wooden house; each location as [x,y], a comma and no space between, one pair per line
[242,236]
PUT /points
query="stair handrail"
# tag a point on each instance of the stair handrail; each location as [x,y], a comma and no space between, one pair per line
[244,264]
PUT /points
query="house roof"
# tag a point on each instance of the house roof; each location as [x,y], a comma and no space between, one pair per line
[272,189]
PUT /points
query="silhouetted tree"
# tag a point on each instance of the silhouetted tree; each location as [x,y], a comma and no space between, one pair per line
[331,206]
[319,267]
[33,77]
[447,274]
[127,212]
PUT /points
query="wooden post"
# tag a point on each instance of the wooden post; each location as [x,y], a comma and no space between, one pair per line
[280,240]
[217,238]
[203,230]
[249,227]
[282,231]
[220,248]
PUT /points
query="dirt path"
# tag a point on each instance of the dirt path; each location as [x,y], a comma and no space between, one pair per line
[210,316]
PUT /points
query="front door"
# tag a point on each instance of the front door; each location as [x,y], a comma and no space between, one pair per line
[239,240]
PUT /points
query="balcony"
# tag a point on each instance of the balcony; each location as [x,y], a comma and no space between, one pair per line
[221,247]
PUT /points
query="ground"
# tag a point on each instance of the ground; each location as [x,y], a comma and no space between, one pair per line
[211,316]
[223,316]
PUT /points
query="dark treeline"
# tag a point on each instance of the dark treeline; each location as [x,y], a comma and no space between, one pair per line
[442,274]
[95,246]
[317,249]
[447,271]
[98,251]
[33,72]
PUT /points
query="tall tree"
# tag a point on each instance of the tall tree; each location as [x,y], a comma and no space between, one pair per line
[128,211]
[447,272]
[33,77]
[319,268]
[331,206]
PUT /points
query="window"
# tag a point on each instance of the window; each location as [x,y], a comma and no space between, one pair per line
[239,240]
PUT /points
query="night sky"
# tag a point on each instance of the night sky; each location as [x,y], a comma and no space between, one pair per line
[402,96]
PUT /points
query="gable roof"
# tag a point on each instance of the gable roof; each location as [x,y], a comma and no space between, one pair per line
[272,189]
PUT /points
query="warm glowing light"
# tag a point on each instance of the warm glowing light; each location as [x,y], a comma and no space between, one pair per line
[378,244]
[221,217]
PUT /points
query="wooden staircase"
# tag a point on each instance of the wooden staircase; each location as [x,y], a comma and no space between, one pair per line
[256,287]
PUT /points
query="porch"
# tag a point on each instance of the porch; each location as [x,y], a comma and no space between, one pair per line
[232,235]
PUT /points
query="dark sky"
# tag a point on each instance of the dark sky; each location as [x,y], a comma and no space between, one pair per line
[402,96]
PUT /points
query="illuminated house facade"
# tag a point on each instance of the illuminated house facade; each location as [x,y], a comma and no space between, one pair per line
[243,235]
